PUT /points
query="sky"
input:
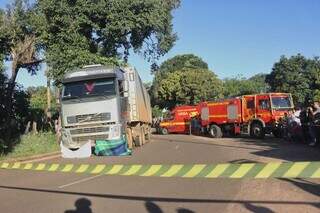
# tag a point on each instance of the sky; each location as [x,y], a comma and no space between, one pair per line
[235,37]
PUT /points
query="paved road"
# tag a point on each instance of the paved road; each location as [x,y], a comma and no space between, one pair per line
[23,191]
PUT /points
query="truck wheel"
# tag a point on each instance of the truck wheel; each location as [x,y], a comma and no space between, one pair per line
[139,138]
[215,131]
[143,135]
[148,135]
[257,131]
[164,131]
[129,138]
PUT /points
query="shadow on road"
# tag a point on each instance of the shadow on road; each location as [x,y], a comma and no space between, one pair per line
[152,207]
[83,205]
[210,144]
[305,185]
[163,199]
[257,209]
[183,210]
[283,150]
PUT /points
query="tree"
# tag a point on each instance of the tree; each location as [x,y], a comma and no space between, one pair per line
[179,62]
[18,41]
[166,87]
[184,79]
[243,86]
[297,75]
[83,32]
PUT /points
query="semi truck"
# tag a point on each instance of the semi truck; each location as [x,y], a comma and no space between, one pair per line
[256,114]
[104,103]
[178,120]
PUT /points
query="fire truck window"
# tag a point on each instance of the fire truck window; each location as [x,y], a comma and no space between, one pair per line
[250,104]
[264,104]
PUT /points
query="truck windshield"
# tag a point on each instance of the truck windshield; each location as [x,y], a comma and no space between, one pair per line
[281,102]
[88,88]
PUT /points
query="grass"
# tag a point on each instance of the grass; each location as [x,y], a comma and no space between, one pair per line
[29,145]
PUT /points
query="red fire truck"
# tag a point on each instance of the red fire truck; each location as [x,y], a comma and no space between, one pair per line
[179,119]
[256,115]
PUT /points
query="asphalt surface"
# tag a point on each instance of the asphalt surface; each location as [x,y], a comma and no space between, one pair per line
[27,191]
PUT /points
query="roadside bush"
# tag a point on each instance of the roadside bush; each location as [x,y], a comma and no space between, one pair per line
[28,145]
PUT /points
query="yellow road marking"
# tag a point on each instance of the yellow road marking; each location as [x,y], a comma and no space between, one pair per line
[115,169]
[172,171]
[242,170]
[133,169]
[4,165]
[40,166]
[295,170]
[53,167]
[28,166]
[98,169]
[16,166]
[195,170]
[67,168]
[268,170]
[152,170]
[82,168]
[316,174]
[218,170]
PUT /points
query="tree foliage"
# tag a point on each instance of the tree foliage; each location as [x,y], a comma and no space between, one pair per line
[19,40]
[83,32]
[20,46]
[297,75]
[241,86]
[184,79]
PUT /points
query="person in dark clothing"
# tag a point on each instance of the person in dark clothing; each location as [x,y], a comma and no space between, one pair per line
[304,118]
[313,114]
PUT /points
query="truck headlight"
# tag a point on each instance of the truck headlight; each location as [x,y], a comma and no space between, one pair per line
[71,119]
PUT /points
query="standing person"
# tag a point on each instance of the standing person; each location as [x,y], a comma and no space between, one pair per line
[304,119]
[314,110]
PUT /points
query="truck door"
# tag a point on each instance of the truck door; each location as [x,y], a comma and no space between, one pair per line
[248,106]
[264,108]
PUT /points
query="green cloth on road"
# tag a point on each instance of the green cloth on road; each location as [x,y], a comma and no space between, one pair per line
[116,147]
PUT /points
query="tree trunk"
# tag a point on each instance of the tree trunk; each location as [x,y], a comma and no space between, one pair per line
[11,85]
[34,128]
[48,99]
[26,131]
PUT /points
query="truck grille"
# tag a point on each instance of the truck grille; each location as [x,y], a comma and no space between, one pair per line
[93,137]
[89,130]
[93,117]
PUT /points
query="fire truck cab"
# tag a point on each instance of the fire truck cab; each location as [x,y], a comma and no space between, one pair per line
[178,120]
[256,114]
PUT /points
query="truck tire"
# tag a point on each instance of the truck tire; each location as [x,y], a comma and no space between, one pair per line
[215,131]
[257,130]
[143,135]
[164,131]
[129,138]
[148,135]
[139,138]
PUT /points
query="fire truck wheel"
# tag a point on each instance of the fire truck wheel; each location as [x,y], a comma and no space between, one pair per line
[164,131]
[257,130]
[215,131]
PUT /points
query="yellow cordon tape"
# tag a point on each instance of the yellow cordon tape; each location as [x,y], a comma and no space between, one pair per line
[227,170]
